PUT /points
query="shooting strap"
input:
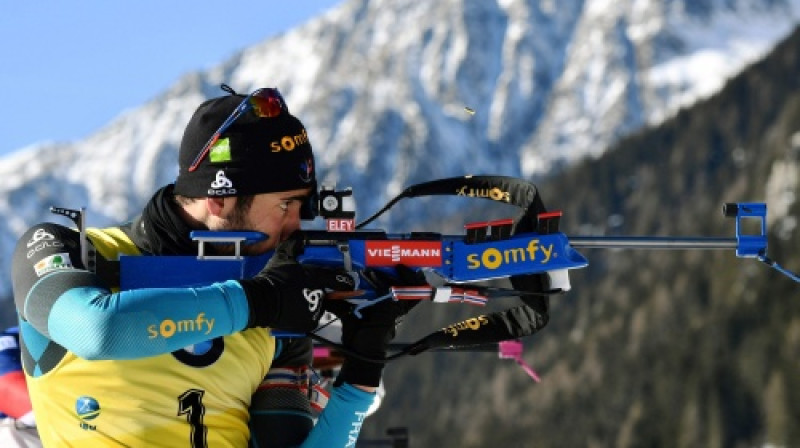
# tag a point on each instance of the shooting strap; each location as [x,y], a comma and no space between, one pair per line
[510,190]
[513,323]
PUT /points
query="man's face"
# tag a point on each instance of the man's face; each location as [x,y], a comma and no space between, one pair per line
[275,214]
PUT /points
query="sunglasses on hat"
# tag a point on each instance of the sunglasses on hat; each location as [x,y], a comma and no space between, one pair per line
[264,103]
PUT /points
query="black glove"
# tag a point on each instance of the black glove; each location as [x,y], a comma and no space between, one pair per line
[287,295]
[370,335]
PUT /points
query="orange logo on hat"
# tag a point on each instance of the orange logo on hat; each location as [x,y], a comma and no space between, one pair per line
[289,142]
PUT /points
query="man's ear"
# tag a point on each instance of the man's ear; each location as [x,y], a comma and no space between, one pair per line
[216,206]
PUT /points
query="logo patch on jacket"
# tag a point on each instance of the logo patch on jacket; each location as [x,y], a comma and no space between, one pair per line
[52,263]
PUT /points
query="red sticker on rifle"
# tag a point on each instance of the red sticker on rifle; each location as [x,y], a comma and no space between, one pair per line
[409,253]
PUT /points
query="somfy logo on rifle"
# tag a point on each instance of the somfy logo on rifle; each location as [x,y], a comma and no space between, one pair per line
[493,193]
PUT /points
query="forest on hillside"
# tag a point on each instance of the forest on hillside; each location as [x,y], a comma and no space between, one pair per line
[654,348]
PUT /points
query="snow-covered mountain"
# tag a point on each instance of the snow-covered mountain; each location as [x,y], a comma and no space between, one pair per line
[395,92]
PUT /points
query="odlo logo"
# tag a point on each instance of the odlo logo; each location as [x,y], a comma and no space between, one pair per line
[222,186]
[39,235]
[313,297]
[87,408]
[41,239]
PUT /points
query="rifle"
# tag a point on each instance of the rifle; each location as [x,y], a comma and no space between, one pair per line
[529,251]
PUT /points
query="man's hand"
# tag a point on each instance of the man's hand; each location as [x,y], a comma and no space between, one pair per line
[370,335]
[287,295]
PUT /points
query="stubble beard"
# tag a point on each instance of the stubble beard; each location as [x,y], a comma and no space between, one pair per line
[237,222]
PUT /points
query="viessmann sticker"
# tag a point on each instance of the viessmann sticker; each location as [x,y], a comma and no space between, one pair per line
[409,253]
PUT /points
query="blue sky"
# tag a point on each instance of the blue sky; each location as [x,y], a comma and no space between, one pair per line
[69,67]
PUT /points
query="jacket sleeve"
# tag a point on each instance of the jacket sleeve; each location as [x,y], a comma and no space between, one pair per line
[72,307]
[340,423]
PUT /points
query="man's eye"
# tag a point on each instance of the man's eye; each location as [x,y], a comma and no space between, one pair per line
[284,205]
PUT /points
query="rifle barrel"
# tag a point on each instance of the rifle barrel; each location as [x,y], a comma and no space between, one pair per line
[651,242]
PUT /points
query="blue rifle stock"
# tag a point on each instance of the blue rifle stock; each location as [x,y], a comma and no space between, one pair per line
[450,257]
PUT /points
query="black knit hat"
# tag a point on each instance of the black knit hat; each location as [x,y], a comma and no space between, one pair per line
[254,155]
